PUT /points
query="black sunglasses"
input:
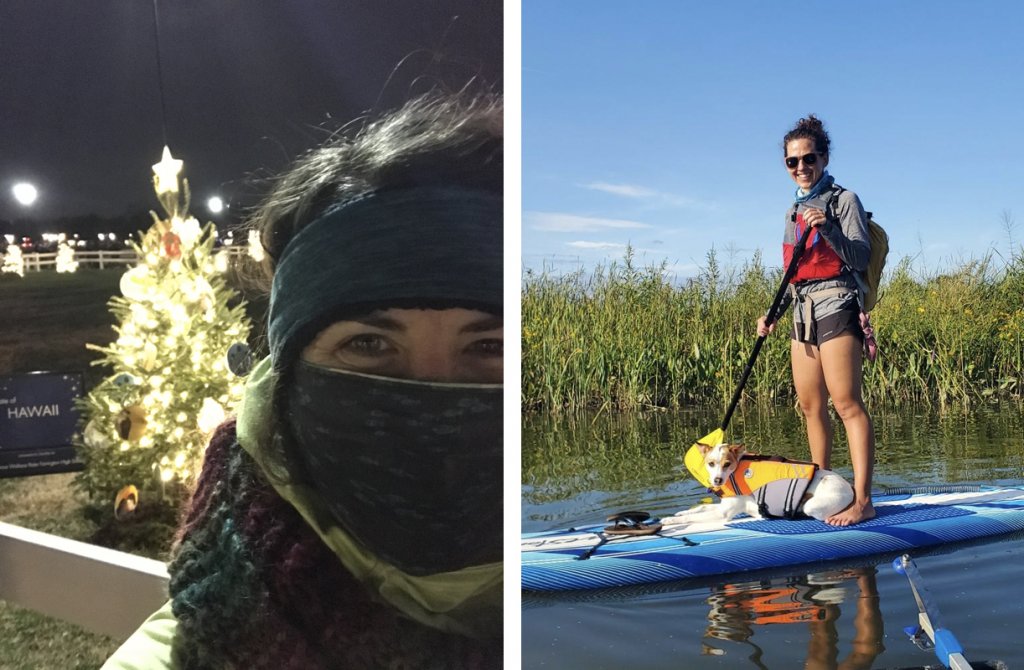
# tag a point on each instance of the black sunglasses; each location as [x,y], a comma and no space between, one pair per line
[808,159]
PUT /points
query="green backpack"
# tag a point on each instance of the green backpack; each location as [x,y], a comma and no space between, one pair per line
[872,275]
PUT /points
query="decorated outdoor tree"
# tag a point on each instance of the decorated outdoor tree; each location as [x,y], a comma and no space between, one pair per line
[146,425]
[14,262]
[65,257]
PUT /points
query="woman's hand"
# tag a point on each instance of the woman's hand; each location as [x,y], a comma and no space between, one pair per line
[764,329]
[813,216]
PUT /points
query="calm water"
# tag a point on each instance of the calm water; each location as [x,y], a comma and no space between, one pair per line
[578,470]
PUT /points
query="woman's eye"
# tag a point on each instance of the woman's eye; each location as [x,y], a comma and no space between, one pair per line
[366,345]
[488,347]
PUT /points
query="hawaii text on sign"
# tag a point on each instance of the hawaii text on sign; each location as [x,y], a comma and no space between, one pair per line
[38,420]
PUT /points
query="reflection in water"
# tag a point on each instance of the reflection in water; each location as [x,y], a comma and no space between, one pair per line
[812,600]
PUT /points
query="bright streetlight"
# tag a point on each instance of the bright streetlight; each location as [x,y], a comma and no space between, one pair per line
[215,205]
[25,193]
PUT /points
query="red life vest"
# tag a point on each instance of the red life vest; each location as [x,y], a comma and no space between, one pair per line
[820,261]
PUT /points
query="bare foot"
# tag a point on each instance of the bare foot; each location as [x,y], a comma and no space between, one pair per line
[855,513]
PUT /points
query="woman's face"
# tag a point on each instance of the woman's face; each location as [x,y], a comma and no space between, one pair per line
[803,174]
[447,345]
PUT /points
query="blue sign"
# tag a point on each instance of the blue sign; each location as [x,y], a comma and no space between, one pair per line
[38,418]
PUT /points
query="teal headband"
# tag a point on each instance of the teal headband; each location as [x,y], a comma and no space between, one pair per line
[425,247]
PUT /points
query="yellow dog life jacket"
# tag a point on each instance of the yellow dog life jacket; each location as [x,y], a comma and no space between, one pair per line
[776,484]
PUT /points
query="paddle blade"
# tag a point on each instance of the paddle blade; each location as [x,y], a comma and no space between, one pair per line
[694,459]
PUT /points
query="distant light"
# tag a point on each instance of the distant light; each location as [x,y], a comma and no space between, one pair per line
[102,236]
[25,193]
[215,204]
[111,237]
[9,238]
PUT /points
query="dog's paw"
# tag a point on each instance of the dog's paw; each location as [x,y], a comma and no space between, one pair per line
[674,520]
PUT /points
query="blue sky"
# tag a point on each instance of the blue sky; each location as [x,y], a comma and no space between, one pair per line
[659,124]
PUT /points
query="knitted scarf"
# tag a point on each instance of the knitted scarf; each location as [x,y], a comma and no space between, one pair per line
[252,586]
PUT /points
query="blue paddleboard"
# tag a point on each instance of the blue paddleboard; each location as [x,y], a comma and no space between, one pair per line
[589,558]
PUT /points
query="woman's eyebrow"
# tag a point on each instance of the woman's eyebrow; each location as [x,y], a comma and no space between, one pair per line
[483,325]
[380,321]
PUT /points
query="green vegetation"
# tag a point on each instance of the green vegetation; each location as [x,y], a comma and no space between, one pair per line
[625,337]
[29,641]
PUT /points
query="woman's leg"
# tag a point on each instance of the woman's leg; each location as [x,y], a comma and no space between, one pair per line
[841,365]
[812,394]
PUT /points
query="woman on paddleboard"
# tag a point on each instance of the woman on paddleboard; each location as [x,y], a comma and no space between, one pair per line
[827,338]
[352,516]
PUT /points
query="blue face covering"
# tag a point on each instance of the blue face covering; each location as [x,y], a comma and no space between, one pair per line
[820,187]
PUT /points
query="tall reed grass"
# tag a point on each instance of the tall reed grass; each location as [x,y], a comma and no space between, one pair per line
[627,337]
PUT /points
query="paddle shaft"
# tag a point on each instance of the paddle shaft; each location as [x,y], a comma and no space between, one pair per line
[798,251]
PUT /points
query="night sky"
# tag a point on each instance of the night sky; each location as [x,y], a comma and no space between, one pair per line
[248,85]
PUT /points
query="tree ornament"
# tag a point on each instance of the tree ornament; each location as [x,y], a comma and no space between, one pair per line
[165,174]
[172,245]
[149,357]
[125,502]
[94,437]
[187,230]
[131,423]
[137,283]
[126,379]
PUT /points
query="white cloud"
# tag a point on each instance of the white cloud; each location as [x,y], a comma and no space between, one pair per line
[583,244]
[649,194]
[572,223]
[625,190]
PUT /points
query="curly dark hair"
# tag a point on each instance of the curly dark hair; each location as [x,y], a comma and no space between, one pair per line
[812,128]
[435,139]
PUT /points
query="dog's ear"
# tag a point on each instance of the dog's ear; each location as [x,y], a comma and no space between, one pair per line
[704,448]
[737,451]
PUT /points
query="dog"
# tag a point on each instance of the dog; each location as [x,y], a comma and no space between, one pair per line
[826,493]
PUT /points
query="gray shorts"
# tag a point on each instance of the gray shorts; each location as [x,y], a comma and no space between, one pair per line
[828,327]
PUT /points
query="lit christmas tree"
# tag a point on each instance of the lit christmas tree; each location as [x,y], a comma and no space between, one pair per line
[14,261]
[66,257]
[147,424]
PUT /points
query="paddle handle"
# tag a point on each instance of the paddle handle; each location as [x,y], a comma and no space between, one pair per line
[798,251]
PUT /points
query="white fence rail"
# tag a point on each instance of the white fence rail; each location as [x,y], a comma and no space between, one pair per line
[102,590]
[35,262]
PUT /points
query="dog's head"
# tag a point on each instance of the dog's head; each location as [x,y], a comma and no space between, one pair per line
[721,461]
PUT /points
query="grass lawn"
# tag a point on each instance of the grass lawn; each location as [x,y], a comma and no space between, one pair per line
[47,320]
[30,641]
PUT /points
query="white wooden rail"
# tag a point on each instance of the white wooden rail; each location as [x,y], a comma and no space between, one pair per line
[101,259]
[102,590]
